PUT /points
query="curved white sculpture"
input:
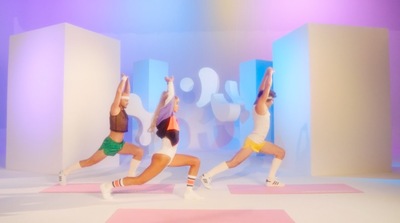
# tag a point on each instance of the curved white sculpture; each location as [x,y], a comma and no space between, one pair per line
[223,110]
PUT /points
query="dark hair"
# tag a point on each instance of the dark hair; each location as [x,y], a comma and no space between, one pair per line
[271,94]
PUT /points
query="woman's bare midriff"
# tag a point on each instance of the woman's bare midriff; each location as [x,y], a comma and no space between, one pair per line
[116,136]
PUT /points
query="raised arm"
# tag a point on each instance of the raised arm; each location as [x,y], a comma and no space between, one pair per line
[170,89]
[267,80]
[115,109]
[265,87]
[127,89]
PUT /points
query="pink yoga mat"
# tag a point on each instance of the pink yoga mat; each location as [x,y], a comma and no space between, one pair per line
[95,188]
[292,189]
[199,216]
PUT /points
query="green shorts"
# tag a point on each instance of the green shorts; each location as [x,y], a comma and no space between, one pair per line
[110,147]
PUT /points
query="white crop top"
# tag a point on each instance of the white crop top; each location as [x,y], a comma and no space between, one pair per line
[261,126]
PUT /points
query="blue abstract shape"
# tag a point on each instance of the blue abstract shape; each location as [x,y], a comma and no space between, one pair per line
[137,110]
[223,110]
[232,89]
[186,84]
[209,85]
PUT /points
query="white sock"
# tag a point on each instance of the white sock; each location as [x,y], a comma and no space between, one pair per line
[71,168]
[274,168]
[217,169]
[133,167]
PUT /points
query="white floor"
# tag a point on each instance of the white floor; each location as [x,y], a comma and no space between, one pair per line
[21,200]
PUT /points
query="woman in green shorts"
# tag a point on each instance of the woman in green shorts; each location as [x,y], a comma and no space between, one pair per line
[114,143]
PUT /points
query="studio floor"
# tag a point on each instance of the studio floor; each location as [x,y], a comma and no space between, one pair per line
[22,199]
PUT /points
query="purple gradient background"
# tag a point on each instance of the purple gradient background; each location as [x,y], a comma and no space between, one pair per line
[176,30]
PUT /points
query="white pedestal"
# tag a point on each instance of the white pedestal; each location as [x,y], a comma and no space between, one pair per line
[61,83]
[332,114]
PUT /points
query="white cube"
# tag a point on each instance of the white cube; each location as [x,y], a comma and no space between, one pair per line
[61,82]
[332,114]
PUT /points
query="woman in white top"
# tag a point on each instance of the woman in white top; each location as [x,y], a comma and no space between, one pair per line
[168,130]
[255,141]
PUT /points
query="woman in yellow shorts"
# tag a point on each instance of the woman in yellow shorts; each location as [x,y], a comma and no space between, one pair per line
[255,142]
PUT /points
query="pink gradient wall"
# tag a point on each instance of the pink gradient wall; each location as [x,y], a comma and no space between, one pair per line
[395,94]
[190,35]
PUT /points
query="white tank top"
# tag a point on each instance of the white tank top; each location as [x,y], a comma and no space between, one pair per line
[261,126]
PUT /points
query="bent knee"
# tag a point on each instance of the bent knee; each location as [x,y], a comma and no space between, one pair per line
[196,161]
[281,154]
[138,153]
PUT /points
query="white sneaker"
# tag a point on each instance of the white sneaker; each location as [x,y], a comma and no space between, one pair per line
[62,178]
[274,183]
[106,192]
[191,195]
[206,181]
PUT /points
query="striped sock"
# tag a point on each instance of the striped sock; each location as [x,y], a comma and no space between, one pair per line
[190,181]
[118,183]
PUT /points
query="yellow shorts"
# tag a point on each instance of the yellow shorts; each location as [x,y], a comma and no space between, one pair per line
[256,147]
